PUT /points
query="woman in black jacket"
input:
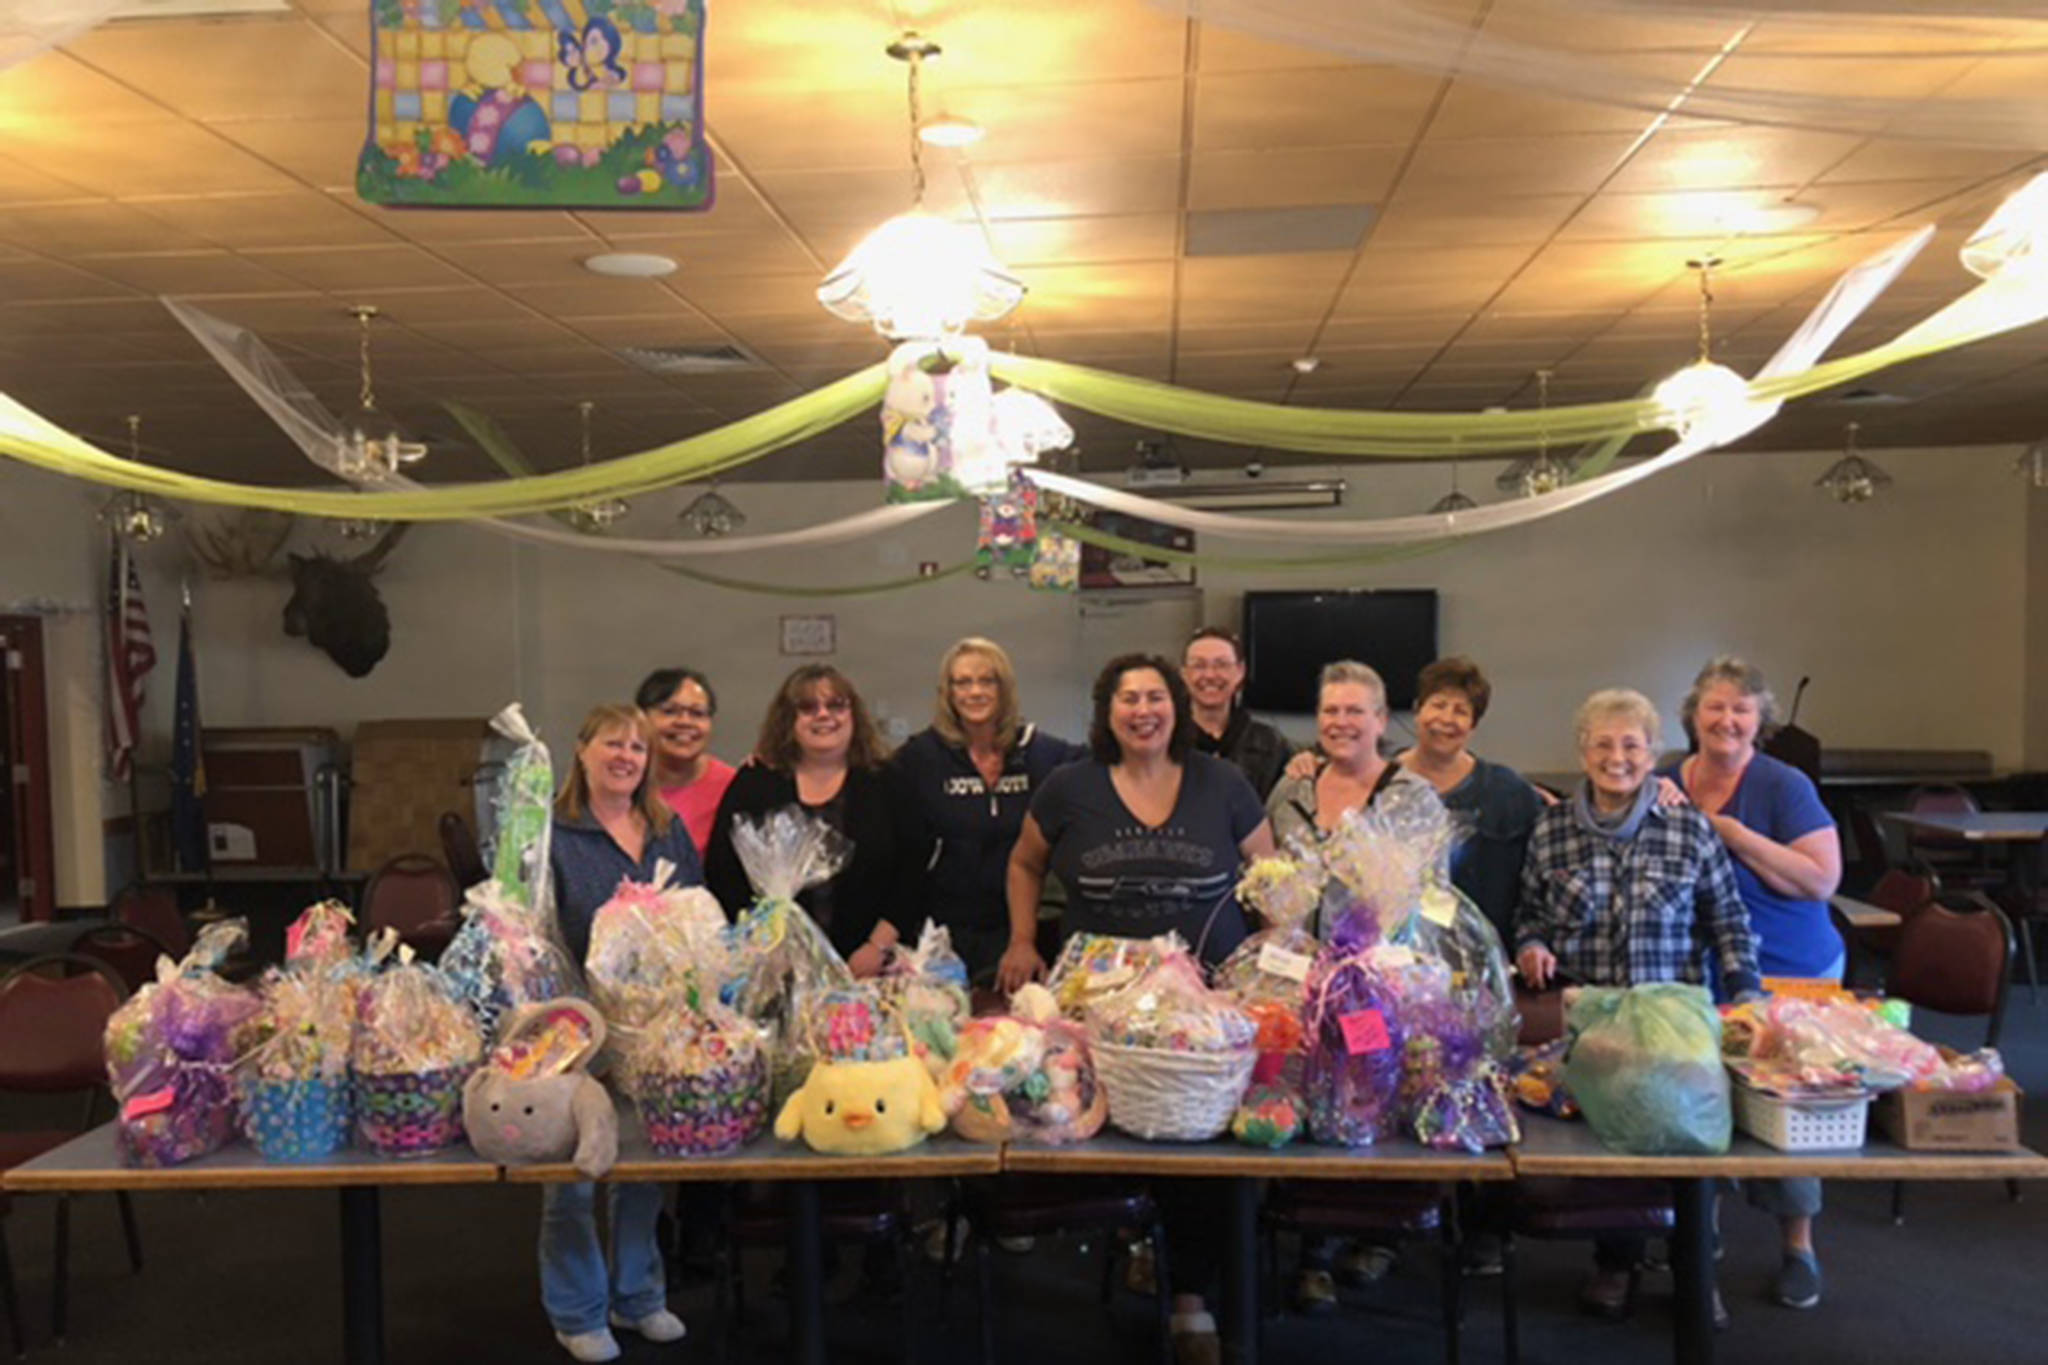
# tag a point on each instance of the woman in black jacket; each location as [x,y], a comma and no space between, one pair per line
[965,784]
[819,749]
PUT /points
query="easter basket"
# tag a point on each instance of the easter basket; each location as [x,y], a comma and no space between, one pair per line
[1168,1096]
[708,1112]
[410,1113]
[297,1120]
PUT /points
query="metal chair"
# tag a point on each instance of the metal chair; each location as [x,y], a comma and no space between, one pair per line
[1954,955]
[53,1020]
[416,895]
[1956,860]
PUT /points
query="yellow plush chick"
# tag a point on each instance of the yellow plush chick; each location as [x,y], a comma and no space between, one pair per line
[863,1108]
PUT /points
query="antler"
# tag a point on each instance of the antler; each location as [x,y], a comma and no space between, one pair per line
[372,559]
[240,544]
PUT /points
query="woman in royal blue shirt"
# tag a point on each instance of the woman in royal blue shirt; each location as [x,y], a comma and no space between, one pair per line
[1788,861]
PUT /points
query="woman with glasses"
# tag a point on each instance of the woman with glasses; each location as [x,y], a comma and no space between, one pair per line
[1212,667]
[965,784]
[686,774]
[819,749]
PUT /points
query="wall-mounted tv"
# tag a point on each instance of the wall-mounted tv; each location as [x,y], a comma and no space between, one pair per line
[1289,636]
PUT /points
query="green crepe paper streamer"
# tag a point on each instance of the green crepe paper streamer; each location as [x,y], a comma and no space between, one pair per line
[485,431]
[835,590]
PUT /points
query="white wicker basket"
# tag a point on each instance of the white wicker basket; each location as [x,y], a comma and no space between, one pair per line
[1793,1125]
[1172,1096]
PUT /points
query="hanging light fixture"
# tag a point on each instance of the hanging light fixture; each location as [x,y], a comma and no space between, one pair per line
[1455,501]
[1705,398]
[918,275]
[710,515]
[1027,426]
[1852,478]
[1536,474]
[2033,464]
[594,516]
[359,528]
[130,514]
[373,448]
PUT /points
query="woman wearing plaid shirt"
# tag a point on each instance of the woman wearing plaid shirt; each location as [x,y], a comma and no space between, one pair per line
[1619,890]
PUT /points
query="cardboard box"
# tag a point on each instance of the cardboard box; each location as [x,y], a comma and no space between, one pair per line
[1951,1121]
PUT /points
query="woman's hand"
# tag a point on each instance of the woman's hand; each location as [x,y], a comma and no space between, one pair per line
[1303,765]
[1536,963]
[1021,963]
[1669,793]
[867,960]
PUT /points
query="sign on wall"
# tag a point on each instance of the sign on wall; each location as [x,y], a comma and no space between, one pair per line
[588,104]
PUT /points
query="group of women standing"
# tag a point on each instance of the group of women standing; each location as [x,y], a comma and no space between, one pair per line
[1147,827]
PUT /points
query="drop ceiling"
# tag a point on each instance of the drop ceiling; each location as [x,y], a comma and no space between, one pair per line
[1504,233]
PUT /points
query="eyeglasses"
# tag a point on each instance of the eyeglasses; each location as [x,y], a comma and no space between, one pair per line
[969,684]
[811,706]
[1210,666]
[671,712]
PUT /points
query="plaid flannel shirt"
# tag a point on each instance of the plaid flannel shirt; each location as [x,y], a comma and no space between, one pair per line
[1625,912]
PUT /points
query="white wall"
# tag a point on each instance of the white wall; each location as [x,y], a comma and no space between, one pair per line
[1911,613]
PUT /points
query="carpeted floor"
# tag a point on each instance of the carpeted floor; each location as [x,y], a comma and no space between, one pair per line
[254,1277]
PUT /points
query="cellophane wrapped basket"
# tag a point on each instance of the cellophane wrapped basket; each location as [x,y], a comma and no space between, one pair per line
[415,1045]
[702,1084]
[1173,1055]
[171,1049]
[656,951]
[296,1100]
[504,956]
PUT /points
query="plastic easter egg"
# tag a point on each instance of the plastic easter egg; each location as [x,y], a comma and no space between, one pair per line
[526,125]
[629,184]
[566,155]
[649,180]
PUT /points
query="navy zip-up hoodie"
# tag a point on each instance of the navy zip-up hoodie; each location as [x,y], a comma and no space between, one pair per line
[963,832]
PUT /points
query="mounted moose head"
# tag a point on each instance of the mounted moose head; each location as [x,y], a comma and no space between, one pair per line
[336,608]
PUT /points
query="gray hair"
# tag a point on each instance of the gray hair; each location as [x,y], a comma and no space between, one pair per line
[1352,671]
[1617,703]
[1747,679]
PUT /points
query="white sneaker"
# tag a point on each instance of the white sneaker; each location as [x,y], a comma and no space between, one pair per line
[660,1325]
[591,1347]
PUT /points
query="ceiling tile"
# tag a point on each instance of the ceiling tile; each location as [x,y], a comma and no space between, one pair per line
[1472,218]
[1732,158]
[438,227]
[111,159]
[280,67]
[1285,178]
[1059,189]
[1221,49]
[1905,159]
[1047,122]
[57,85]
[193,273]
[321,152]
[1222,290]
[1084,241]
[27,280]
[1566,162]
[1293,110]
[1428,279]
[70,230]
[300,219]
[360,272]
[599,295]
[20,185]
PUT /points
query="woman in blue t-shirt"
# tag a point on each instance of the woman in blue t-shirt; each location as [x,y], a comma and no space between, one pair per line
[1147,836]
[1788,861]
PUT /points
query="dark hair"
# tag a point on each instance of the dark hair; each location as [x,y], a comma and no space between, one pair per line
[1216,633]
[1455,674]
[1102,743]
[658,686]
[777,746]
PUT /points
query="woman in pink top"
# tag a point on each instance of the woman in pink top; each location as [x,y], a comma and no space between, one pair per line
[689,779]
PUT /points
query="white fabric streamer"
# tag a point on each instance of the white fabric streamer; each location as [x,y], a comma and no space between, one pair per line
[31,27]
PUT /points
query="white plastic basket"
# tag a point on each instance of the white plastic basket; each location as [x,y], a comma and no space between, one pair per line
[1172,1096]
[1793,1125]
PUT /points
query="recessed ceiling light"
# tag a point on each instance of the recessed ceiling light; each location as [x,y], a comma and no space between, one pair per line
[948,130]
[1306,364]
[630,265]
[1784,216]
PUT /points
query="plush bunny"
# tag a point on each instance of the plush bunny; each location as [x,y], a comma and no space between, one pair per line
[534,1101]
[863,1108]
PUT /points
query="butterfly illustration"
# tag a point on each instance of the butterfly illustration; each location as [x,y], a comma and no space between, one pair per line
[592,56]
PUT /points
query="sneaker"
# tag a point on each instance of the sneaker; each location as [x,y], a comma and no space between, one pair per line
[591,1347]
[1365,1265]
[1798,1282]
[660,1325]
[934,1242]
[1315,1293]
[1194,1339]
[1719,1310]
[1140,1272]
[1605,1294]
[1017,1246]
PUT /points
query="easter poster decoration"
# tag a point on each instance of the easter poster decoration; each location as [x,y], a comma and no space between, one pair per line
[574,104]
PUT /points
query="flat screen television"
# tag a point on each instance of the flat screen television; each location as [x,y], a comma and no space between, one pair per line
[1289,636]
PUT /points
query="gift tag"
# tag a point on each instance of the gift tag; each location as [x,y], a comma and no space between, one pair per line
[155,1102]
[1439,906]
[1364,1031]
[1277,961]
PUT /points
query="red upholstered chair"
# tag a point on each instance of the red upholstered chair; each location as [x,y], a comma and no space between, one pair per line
[416,895]
[53,1017]
[1870,927]
[154,910]
[131,952]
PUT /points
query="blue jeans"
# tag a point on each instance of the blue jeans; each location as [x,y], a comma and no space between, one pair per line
[575,1287]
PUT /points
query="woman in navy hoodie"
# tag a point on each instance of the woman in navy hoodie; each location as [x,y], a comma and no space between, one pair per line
[965,785]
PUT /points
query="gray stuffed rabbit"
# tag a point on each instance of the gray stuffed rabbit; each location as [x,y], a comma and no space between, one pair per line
[533,1100]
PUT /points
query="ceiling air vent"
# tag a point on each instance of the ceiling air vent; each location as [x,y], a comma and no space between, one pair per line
[692,359]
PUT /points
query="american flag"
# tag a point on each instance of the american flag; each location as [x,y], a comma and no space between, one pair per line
[130,656]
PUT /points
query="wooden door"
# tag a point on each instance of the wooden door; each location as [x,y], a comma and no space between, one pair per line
[27,771]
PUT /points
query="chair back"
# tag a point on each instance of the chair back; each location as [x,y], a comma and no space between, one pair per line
[1941,799]
[1902,892]
[53,1023]
[1953,957]
[413,893]
[154,910]
[1873,855]
[458,846]
[131,952]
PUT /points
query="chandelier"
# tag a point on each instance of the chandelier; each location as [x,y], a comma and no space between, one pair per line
[1852,478]
[373,448]
[594,516]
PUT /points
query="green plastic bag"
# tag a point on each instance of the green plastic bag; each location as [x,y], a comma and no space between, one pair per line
[526,809]
[1645,1067]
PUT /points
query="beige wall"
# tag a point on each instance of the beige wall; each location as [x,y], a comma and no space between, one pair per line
[1912,613]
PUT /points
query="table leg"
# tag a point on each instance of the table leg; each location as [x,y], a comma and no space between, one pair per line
[806,1274]
[1241,1273]
[1692,1271]
[362,1277]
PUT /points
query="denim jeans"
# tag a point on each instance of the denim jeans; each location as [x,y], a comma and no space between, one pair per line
[575,1287]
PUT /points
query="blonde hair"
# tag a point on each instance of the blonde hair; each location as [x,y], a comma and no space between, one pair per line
[1612,703]
[1352,671]
[574,798]
[946,720]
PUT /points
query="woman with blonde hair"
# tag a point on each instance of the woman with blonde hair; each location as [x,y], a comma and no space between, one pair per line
[964,785]
[610,823]
[819,750]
